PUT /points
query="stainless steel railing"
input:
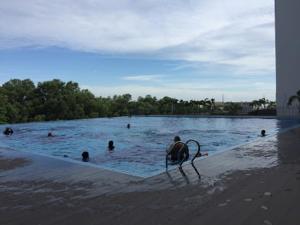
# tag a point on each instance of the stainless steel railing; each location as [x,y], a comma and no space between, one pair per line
[180,161]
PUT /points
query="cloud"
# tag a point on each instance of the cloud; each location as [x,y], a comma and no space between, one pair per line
[235,33]
[143,78]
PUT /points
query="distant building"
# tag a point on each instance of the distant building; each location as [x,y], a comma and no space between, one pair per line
[287,17]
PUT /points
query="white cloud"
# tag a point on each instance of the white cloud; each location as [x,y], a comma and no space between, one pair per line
[143,78]
[238,33]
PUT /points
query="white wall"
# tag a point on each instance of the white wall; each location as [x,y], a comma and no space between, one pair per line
[287,53]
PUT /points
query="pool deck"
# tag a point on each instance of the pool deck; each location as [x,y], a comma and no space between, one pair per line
[258,183]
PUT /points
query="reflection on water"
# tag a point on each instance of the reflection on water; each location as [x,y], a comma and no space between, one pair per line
[141,149]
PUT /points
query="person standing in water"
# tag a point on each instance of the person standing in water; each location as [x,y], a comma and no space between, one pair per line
[263,133]
[128,126]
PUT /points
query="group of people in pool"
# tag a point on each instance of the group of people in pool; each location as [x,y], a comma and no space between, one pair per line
[110,147]
[177,150]
[86,156]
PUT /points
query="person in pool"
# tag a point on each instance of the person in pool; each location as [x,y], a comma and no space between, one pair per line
[85,156]
[8,131]
[128,125]
[110,146]
[50,134]
[178,150]
[263,133]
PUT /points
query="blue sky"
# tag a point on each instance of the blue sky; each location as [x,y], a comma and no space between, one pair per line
[189,49]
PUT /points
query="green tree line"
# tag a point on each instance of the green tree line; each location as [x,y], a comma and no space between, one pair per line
[23,101]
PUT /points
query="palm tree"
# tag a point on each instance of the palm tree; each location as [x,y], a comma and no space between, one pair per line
[213,104]
[262,102]
[272,105]
[294,97]
[207,103]
[255,104]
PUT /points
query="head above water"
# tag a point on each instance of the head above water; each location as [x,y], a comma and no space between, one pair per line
[111,145]
[177,138]
[263,133]
[50,134]
[85,156]
[8,131]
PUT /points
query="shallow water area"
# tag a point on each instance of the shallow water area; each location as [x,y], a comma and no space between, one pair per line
[139,150]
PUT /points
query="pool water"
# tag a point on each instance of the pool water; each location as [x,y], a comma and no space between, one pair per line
[139,150]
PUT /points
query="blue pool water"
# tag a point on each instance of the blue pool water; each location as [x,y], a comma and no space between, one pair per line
[140,150]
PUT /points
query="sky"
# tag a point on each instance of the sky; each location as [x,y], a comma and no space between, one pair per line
[187,49]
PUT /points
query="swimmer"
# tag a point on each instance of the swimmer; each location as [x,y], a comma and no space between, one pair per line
[50,134]
[85,156]
[177,146]
[8,131]
[111,145]
[263,133]
[128,125]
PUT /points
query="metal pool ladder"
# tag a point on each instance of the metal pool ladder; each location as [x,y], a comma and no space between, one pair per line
[186,156]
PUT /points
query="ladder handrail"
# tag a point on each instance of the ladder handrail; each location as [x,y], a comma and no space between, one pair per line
[186,156]
[195,156]
[198,150]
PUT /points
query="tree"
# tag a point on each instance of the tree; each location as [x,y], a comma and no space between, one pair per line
[254,104]
[263,102]
[294,98]
[232,108]
[22,101]
[19,94]
[167,105]
[272,105]
[119,105]
[3,107]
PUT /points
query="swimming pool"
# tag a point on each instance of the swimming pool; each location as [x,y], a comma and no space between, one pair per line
[140,150]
